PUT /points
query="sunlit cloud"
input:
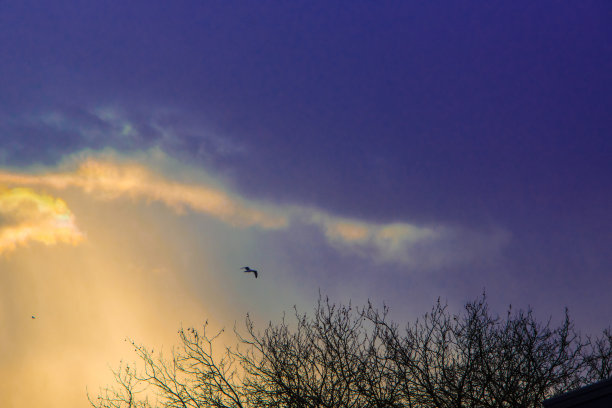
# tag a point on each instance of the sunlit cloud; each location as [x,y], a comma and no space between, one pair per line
[382,242]
[29,216]
[350,231]
[147,171]
[152,177]
[108,180]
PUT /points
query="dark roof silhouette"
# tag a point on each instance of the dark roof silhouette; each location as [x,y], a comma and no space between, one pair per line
[247,270]
[598,395]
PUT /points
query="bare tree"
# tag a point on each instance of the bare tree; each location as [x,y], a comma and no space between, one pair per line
[333,359]
[342,356]
[191,377]
[477,359]
[598,358]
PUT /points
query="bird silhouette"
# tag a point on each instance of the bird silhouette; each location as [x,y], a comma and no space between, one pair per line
[247,270]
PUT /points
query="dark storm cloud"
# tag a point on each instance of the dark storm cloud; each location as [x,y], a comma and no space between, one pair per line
[45,135]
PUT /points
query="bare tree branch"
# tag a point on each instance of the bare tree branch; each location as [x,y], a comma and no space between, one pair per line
[345,356]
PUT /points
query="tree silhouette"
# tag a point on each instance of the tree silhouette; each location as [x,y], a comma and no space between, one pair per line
[334,358]
[479,360]
[344,356]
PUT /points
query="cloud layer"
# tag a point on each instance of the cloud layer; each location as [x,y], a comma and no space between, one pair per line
[108,180]
[110,176]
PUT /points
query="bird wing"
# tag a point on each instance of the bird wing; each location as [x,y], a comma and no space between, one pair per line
[255,272]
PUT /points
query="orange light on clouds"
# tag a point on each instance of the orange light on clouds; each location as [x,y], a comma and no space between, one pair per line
[29,216]
[153,176]
[110,180]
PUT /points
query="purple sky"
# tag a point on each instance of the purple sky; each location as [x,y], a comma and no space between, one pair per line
[482,129]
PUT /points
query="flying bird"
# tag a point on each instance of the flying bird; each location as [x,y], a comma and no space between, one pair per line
[247,270]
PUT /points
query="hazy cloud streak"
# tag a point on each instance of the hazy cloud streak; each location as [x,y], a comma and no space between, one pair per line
[110,177]
[110,180]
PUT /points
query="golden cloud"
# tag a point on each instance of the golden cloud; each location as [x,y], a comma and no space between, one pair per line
[29,216]
[109,180]
[146,177]
[391,241]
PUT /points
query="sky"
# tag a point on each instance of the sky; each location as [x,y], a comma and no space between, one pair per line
[394,151]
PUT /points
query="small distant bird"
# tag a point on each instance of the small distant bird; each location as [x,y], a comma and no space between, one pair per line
[247,270]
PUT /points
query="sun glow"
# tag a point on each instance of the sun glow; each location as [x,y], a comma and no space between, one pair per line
[29,216]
